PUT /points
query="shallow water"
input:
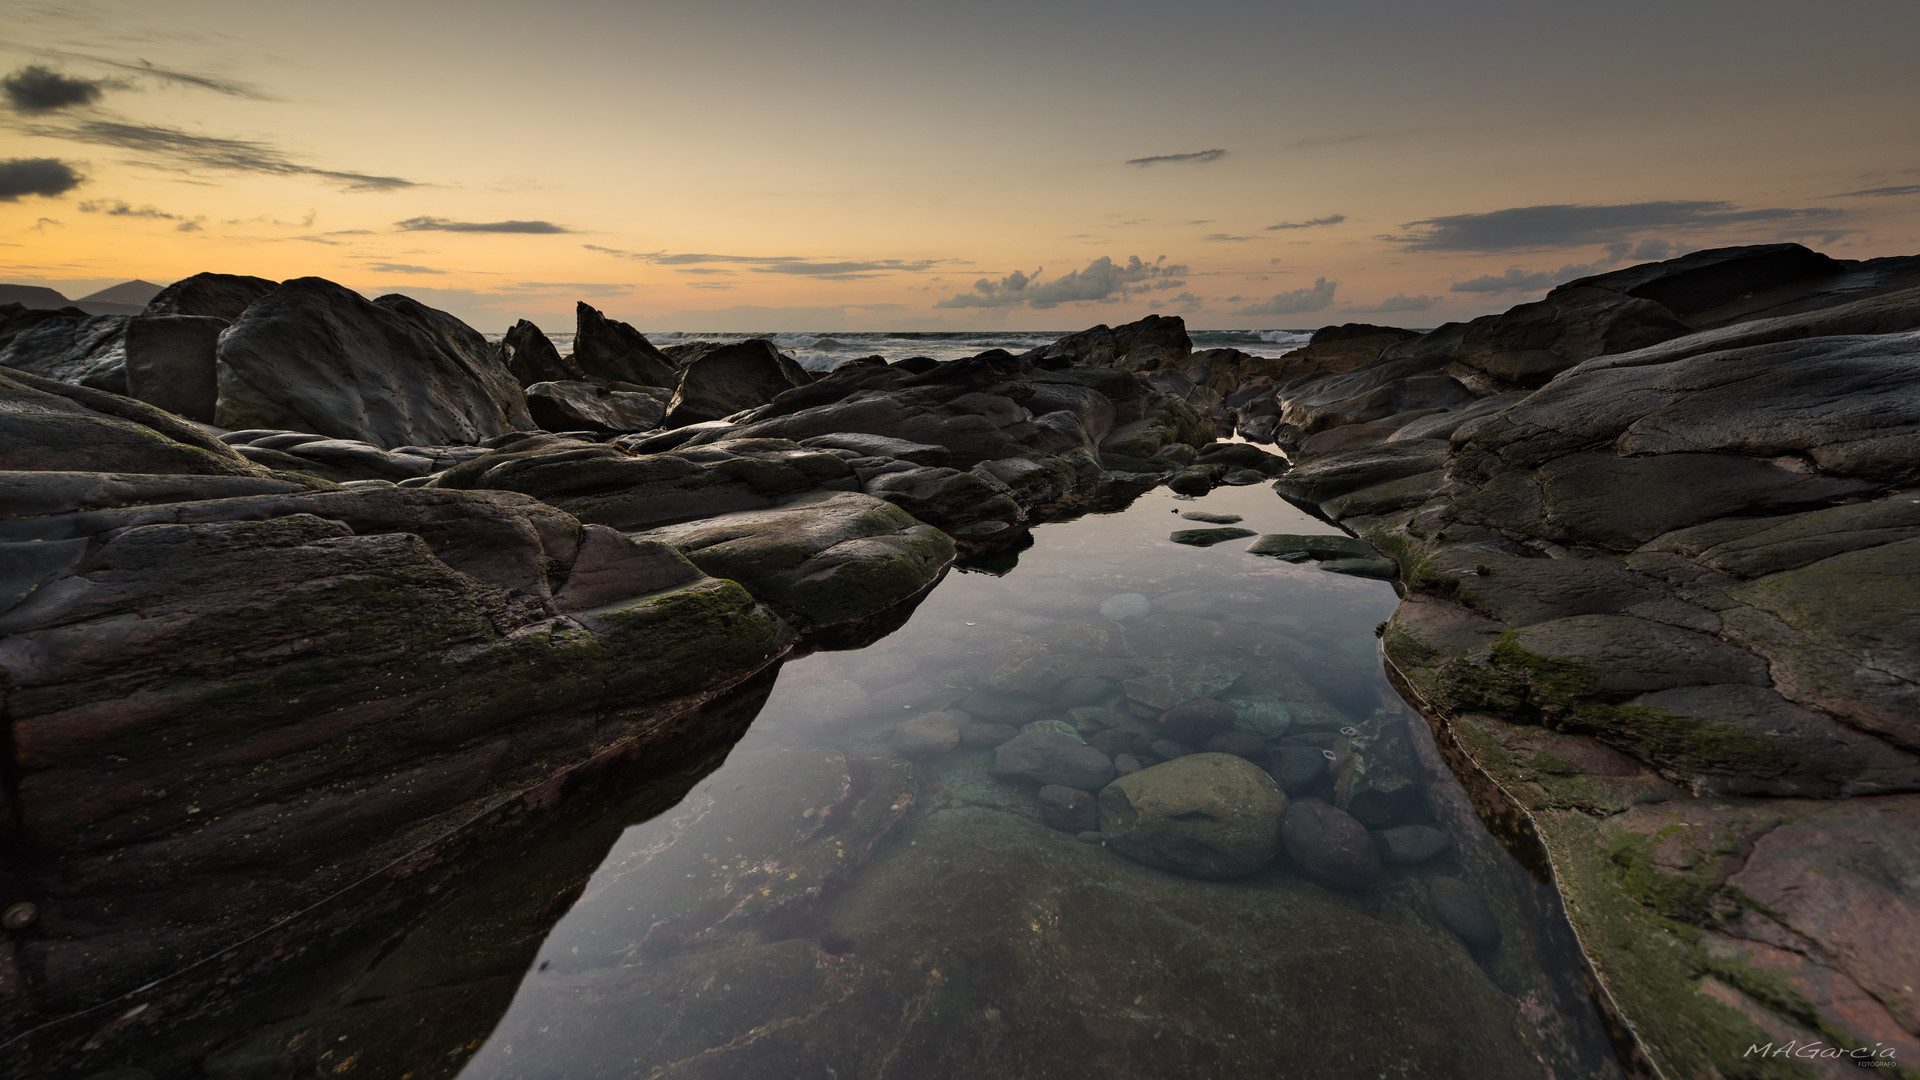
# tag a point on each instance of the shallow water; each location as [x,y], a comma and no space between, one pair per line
[820,906]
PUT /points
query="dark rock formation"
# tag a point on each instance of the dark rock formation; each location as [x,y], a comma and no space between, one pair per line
[585,406]
[733,378]
[172,363]
[606,349]
[533,359]
[215,296]
[86,350]
[317,357]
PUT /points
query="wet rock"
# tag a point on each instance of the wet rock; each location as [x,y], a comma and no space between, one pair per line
[1329,846]
[531,357]
[1052,726]
[1123,606]
[1239,744]
[606,349]
[1083,690]
[1211,518]
[1051,758]
[986,736]
[1068,809]
[732,378]
[1167,749]
[948,498]
[1407,845]
[1091,836]
[1298,769]
[1462,911]
[987,703]
[1207,537]
[1195,721]
[1204,815]
[1295,548]
[1112,742]
[1192,482]
[926,736]
[584,406]
[1125,764]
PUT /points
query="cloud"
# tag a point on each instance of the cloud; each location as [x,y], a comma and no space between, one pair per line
[1226,238]
[1396,302]
[1568,225]
[434,224]
[34,89]
[1518,280]
[186,152]
[402,268]
[1902,189]
[1296,302]
[116,208]
[1186,301]
[831,270]
[1103,280]
[187,78]
[1200,157]
[36,176]
[1310,223]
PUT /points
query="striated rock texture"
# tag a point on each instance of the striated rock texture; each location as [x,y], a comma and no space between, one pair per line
[1662,609]
[315,356]
[230,691]
[607,349]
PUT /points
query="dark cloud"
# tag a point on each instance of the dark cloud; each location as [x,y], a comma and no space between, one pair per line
[169,75]
[1226,238]
[34,89]
[36,176]
[1102,281]
[116,208]
[832,270]
[1569,225]
[1310,223]
[1297,301]
[434,224]
[402,268]
[1396,302]
[185,152]
[1902,189]
[1200,157]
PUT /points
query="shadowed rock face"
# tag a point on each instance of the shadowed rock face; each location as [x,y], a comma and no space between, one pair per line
[218,296]
[732,378]
[606,349]
[1664,602]
[314,356]
[533,359]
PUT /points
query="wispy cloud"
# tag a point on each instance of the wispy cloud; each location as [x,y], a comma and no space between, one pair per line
[830,269]
[402,268]
[1519,280]
[1396,302]
[435,224]
[36,176]
[211,83]
[1102,281]
[187,152]
[1225,238]
[35,89]
[116,208]
[1310,223]
[1881,192]
[1569,225]
[1199,157]
[1316,297]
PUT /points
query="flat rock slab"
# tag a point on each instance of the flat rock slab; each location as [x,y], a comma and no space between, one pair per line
[1208,537]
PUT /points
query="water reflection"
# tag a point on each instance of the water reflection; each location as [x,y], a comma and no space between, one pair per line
[824,906]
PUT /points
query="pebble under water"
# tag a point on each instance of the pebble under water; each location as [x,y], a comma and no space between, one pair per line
[855,892]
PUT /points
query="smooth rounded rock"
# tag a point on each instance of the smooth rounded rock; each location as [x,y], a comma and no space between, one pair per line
[1462,911]
[1203,815]
[1125,764]
[1329,845]
[1082,690]
[1240,744]
[1192,723]
[986,736]
[1406,845]
[1051,758]
[1298,768]
[1127,605]
[926,736]
[1068,809]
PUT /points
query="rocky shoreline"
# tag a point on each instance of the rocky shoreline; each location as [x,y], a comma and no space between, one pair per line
[297,582]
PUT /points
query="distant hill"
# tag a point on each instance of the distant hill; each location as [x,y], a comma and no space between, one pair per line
[137,293]
[127,298]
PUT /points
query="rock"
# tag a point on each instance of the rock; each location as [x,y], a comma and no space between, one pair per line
[882,447]
[1210,517]
[1083,690]
[1204,815]
[1051,726]
[1298,769]
[1138,346]
[1052,758]
[1091,836]
[86,350]
[1329,846]
[1194,482]
[989,703]
[1295,548]
[1125,764]
[946,497]
[1240,744]
[317,357]
[1166,749]
[1208,537]
[986,736]
[531,358]
[1407,845]
[1525,346]
[606,349]
[1195,721]
[583,406]
[732,378]
[926,736]
[48,426]
[171,363]
[1123,606]
[1068,809]
[1462,911]
[1112,742]
[217,296]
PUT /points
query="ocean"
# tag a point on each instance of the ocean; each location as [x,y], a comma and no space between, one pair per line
[822,351]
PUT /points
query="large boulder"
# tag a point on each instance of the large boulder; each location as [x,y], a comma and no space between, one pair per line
[1150,343]
[214,296]
[531,357]
[608,349]
[1204,815]
[732,378]
[1052,758]
[1329,846]
[585,406]
[86,350]
[172,362]
[315,356]
[51,426]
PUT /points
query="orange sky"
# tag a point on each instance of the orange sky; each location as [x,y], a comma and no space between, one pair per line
[817,166]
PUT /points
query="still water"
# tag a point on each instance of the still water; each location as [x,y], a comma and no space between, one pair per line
[837,900]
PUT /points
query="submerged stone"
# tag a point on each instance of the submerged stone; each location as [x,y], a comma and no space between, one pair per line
[1203,815]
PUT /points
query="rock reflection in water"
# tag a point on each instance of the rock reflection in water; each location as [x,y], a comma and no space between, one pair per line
[861,891]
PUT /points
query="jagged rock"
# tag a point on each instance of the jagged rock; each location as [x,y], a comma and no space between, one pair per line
[732,378]
[86,350]
[318,357]
[584,406]
[606,349]
[531,358]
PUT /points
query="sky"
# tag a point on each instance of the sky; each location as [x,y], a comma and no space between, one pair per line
[843,164]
